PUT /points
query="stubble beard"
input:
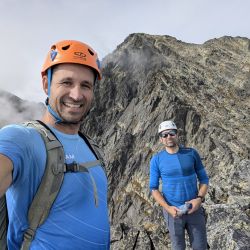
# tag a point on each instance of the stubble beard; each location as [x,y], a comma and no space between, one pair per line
[68,120]
[73,121]
[171,144]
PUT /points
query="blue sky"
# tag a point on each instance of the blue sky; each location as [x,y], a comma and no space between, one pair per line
[29,27]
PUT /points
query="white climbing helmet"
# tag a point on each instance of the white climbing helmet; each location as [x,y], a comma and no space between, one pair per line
[166,125]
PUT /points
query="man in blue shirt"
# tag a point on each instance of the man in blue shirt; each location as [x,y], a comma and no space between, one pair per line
[75,221]
[179,168]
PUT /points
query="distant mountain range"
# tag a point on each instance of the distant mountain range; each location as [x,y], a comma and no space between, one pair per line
[16,110]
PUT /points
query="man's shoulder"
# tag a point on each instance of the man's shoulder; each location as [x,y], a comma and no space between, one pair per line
[15,129]
[18,142]
[186,149]
[158,154]
[18,133]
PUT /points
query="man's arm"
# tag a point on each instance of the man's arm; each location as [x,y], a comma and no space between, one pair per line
[6,168]
[196,203]
[203,182]
[159,198]
[202,190]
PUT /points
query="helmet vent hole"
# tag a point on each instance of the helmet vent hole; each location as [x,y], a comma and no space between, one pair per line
[65,47]
[91,52]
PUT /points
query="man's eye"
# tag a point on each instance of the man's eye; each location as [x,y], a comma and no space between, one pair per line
[66,83]
[86,86]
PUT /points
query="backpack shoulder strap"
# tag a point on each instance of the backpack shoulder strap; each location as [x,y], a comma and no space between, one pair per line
[94,148]
[50,183]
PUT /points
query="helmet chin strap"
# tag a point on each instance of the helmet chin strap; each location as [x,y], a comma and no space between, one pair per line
[51,111]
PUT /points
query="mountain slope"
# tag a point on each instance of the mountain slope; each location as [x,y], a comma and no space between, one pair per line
[205,90]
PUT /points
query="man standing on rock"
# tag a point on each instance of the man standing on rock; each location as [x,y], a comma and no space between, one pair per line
[78,218]
[179,168]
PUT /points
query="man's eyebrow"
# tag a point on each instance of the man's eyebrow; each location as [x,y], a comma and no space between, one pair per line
[87,82]
[65,79]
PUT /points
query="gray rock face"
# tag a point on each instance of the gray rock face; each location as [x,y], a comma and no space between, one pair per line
[205,89]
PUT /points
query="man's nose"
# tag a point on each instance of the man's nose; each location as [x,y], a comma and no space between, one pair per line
[76,93]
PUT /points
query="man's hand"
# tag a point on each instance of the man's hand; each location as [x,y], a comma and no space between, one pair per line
[170,209]
[196,203]
[173,211]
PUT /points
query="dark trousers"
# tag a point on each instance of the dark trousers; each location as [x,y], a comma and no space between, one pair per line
[195,225]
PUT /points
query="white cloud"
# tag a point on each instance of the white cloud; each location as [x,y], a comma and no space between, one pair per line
[17,111]
[28,28]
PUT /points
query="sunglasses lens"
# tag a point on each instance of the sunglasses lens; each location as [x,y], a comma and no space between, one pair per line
[171,133]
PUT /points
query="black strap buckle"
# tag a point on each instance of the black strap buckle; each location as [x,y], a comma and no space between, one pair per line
[72,167]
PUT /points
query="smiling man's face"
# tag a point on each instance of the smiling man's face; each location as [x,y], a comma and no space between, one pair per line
[71,92]
[169,138]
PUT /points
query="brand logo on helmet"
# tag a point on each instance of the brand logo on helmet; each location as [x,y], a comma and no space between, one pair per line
[53,54]
[80,55]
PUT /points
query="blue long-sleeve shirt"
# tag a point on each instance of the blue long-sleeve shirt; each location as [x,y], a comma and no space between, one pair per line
[179,173]
[74,222]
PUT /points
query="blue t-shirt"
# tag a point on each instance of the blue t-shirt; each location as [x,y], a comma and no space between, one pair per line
[179,173]
[74,221]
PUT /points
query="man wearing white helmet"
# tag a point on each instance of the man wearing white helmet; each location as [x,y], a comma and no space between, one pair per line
[179,168]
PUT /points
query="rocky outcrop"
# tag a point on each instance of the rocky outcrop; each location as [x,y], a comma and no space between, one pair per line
[205,89]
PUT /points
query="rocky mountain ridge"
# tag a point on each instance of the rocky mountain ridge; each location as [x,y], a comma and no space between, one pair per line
[205,89]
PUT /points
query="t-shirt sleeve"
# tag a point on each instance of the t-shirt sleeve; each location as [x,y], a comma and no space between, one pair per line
[14,145]
[200,169]
[154,174]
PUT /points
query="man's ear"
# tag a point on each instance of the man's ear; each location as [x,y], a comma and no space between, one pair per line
[45,84]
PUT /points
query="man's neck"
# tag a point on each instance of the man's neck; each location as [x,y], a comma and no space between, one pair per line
[64,128]
[172,150]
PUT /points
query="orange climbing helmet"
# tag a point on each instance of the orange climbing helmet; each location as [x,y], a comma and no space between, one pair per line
[70,51]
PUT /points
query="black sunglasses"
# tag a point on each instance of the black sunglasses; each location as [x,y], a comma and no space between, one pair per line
[171,133]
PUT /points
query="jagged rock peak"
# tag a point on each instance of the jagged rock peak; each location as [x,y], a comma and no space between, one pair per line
[204,88]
